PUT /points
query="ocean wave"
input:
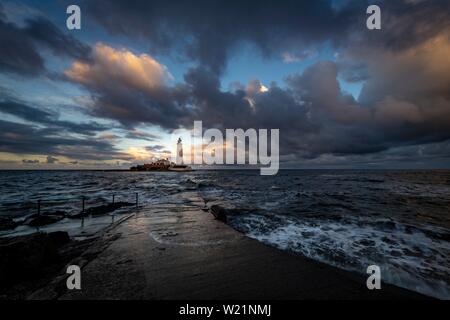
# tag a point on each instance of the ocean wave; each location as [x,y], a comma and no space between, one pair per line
[409,257]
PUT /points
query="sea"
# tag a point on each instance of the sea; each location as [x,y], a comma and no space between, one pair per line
[351,219]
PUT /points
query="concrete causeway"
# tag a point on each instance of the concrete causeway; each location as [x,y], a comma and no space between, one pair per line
[182,252]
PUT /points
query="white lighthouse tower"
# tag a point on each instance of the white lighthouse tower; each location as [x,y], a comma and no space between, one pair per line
[179,166]
[179,152]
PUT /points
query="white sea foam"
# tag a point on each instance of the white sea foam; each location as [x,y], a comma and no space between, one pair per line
[410,259]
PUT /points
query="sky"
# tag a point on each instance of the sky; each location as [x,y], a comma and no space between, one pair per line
[109,95]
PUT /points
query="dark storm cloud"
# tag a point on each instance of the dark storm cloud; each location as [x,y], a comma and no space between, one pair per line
[208,31]
[313,114]
[407,23]
[44,32]
[404,101]
[130,88]
[18,54]
[2,14]
[141,135]
[25,112]
[26,139]
[49,119]
[130,107]
[48,135]
[391,120]
[21,46]
[155,148]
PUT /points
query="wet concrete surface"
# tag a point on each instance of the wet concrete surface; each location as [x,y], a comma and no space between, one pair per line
[182,252]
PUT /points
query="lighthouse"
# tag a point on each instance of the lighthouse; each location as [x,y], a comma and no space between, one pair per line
[179,152]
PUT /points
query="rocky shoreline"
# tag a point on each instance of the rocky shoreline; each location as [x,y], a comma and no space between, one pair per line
[30,261]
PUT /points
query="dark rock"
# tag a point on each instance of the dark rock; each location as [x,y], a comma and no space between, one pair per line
[41,220]
[219,213]
[25,257]
[59,238]
[7,223]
